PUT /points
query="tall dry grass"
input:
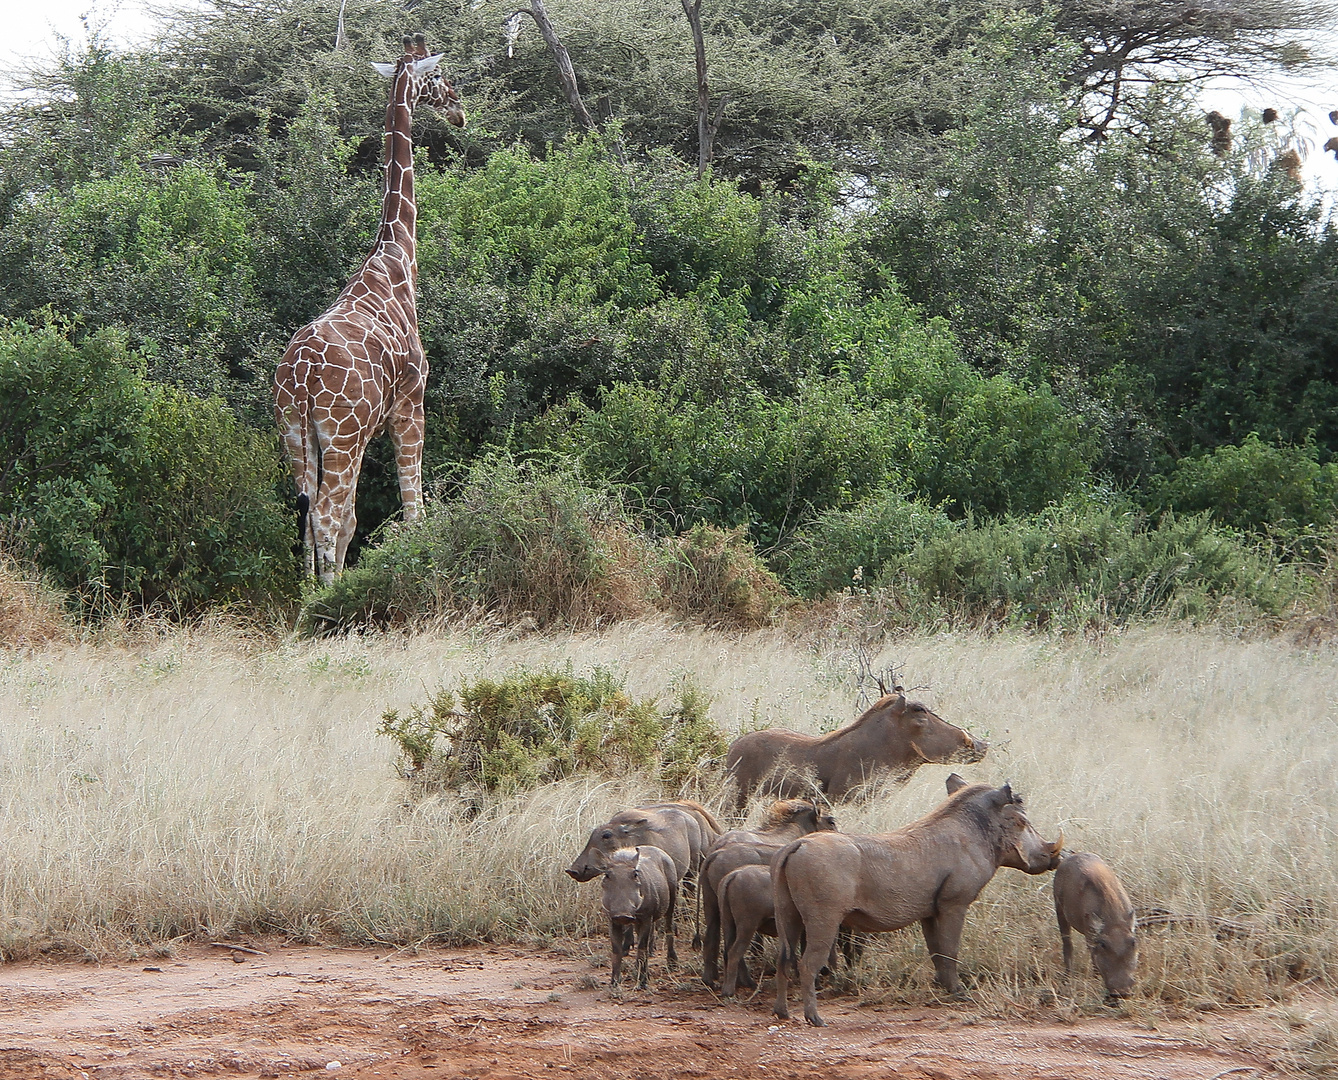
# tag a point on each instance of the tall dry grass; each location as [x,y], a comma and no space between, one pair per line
[197,782]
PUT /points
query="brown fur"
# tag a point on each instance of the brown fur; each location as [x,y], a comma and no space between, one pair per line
[1221,138]
[682,829]
[746,910]
[784,821]
[893,736]
[639,887]
[929,872]
[1090,899]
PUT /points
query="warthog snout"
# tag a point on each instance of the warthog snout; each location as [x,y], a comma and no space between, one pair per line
[974,751]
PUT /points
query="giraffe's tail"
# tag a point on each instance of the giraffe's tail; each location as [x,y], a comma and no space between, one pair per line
[303,508]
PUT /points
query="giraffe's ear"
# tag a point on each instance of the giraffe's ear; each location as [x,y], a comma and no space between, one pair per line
[388,70]
[427,65]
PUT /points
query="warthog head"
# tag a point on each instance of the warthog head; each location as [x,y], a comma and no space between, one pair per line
[1114,949]
[1021,846]
[622,885]
[802,812]
[930,737]
[603,842]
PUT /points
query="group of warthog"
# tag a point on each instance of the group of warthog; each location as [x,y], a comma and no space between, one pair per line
[797,878]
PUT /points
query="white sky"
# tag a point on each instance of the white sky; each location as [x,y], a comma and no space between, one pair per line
[28,29]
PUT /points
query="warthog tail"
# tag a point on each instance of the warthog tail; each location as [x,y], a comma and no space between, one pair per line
[789,923]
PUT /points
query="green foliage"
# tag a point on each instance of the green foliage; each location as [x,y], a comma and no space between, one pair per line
[131,492]
[516,539]
[1073,566]
[313,216]
[744,461]
[1256,487]
[533,727]
[846,549]
[167,257]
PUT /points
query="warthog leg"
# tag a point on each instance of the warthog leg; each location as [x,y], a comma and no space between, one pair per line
[644,947]
[819,944]
[620,943]
[943,938]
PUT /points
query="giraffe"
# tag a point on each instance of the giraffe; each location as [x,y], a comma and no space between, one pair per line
[360,367]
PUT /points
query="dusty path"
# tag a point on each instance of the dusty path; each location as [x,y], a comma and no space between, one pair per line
[510,1012]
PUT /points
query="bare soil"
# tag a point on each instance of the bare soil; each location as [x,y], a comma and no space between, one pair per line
[497,1012]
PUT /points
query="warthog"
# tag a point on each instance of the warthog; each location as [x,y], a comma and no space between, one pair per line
[893,736]
[640,885]
[682,829]
[1090,899]
[746,910]
[928,871]
[784,821]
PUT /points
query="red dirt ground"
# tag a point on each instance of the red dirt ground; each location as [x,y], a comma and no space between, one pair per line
[511,1012]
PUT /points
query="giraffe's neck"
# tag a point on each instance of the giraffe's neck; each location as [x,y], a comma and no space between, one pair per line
[399,213]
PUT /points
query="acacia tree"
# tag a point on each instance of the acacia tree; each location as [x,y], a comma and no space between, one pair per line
[707,126]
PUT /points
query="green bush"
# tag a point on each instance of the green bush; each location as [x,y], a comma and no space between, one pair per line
[1084,564]
[1073,565]
[517,538]
[167,258]
[743,460]
[132,493]
[1256,487]
[533,727]
[847,548]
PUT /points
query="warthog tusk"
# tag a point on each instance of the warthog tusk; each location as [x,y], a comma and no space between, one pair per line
[1058,845]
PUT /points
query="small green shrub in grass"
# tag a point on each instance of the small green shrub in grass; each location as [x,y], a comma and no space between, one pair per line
[534,727]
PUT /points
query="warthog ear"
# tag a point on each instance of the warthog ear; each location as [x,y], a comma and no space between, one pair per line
[1004,796]
[954,783]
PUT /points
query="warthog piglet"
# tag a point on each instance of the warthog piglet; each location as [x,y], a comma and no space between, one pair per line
[640,886]
[1090,899]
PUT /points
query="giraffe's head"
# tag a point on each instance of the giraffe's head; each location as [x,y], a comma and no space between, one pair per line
[427,85]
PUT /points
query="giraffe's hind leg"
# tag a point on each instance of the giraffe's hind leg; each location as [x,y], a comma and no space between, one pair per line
[406,425]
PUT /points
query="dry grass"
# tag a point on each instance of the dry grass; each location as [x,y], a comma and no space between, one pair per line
[30,612]
[197,782]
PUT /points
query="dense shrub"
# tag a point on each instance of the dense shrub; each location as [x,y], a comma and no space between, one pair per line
[534,727]
[517,538]
[1256,487]
[165,257]
[129,492]
[1073,565]
[743,460]
[718,577]
[846,549]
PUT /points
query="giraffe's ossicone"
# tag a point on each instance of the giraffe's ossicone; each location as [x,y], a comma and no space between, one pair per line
[359,368]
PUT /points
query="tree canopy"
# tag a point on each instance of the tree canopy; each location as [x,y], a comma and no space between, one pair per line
[989,260]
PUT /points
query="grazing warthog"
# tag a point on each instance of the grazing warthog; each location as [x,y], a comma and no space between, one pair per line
[1090,899]
[928,871]
[746,910]
[682,829]
[785,821]
[640,885]
[893,736]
